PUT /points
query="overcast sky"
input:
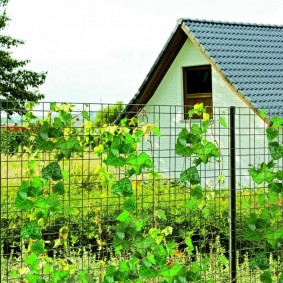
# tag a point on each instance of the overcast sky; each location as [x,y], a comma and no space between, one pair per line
[101,51]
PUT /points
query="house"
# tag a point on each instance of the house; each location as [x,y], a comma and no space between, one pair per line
[221,64]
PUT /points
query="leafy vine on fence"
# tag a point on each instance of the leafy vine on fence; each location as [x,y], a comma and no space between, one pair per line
[38,196]
[144,248]
[266,226]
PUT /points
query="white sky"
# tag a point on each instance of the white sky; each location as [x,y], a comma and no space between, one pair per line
[101,50]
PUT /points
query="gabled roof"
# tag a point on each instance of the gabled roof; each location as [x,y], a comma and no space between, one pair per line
[248,56]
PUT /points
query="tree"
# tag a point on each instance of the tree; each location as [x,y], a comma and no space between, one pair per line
[17,84]
[108,114]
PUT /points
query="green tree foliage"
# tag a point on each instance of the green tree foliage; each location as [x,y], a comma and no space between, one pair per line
[108,114]
[17,84]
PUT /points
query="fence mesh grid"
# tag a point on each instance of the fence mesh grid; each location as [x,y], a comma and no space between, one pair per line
[90,208]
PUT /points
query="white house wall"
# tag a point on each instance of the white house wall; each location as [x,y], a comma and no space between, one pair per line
[165,106]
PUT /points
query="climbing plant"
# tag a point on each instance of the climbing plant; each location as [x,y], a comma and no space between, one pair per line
[265,228]
[145,248]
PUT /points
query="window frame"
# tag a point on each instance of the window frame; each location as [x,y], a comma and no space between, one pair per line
[196,96]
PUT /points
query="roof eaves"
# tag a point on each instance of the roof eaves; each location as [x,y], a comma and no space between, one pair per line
[151,71]
[155,63]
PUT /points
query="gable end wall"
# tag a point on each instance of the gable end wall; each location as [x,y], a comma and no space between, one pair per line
[168,96]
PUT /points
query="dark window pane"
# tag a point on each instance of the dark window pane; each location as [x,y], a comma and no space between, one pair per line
[197,88]
[198,80]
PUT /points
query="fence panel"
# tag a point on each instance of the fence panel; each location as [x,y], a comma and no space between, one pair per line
[215,222]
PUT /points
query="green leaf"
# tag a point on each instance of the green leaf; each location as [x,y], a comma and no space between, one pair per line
[126,148]
[68,146]
[160,258]
[196,192]
[156,131]
[66,117]
[138,135]
[146,270]
[196,130]
[128,139]
[44,145]
[181,277]
[38,247]
[31,230]
[276,122]
[43,131]
[196,267]
[130,204]
[32,261]
[260,261]
[142,160]
[183,134]
[34,192]
[279,175]
[123,266]
[143,243]
[52,106]
[264,173]
[123,187]
[275,187]
[57,123]
[118,241]
[190,175]
[85,115]
[161,214]
[265,277]
[223,260]
[250,234]
[113,160]
[182,149]
[58,188]
[206,151]
[22,202]
[170,271]
[272,133]
[189,243]
[262,114]
[193,276]
[193,139]
[192,204]
[273,236]
[276,151]
[53,171]
[74,144]
[205,125]
[53,203]
[85,277]
[168,230]
[262,199]
[36,182]
[222,122]
[65,175]
[124,217]
[55,133]
[205,212]
[24,185]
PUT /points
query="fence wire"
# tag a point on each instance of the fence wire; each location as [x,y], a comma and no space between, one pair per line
[90,208]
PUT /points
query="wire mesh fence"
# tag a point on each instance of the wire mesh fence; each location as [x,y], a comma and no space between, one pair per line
[215,222]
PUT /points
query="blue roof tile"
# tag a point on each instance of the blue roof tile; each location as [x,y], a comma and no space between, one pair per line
[250,56]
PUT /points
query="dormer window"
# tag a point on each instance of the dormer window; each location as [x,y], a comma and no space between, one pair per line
[197,88]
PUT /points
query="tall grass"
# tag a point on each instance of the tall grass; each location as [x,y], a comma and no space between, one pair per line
[85,195]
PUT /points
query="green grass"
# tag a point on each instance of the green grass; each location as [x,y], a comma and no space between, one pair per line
[218,269]
[89,206]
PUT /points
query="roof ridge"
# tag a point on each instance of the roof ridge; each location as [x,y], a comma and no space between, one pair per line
[229,23]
